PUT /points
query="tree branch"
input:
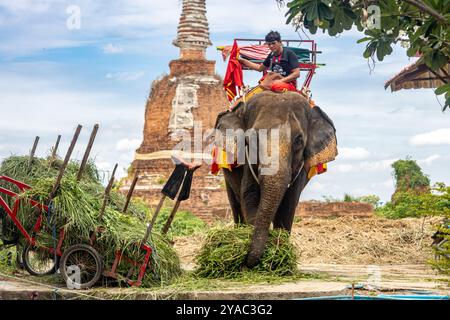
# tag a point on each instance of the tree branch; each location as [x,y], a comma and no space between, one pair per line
[423,7]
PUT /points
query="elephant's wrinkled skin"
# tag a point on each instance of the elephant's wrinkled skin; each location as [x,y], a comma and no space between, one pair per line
[304,132]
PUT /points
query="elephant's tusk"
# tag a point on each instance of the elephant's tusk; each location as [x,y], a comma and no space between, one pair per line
[250,165]
[296,176]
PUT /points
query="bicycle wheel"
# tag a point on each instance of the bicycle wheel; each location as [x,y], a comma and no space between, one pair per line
[81,266]
[38,261]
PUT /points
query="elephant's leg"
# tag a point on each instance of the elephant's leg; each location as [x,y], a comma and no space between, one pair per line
[284,216]
[233,184]
[235,204]
[250,195]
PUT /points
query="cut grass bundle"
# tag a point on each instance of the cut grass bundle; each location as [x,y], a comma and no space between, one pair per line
[225,249]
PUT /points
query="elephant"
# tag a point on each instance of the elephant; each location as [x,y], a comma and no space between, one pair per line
[306,137]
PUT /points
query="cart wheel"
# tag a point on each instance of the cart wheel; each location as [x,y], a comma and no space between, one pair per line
[38,261]
[81,266]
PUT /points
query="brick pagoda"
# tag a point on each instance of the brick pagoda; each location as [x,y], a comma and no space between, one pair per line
[192,92]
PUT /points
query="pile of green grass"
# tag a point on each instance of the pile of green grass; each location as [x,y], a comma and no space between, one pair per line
[76,209]
[225,250]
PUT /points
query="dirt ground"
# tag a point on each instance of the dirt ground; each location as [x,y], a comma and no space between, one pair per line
[347,240]
[365,256]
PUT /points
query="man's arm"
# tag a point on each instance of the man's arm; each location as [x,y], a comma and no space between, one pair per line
[252,65]
[295,73]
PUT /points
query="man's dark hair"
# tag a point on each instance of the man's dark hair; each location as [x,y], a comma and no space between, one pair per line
[273,36]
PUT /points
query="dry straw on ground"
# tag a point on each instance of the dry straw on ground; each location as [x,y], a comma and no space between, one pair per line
[347,240]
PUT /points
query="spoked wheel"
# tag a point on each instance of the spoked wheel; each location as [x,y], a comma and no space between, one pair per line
[81,266]
[38,261]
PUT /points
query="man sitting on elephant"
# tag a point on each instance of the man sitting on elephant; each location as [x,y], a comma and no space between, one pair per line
[281,60]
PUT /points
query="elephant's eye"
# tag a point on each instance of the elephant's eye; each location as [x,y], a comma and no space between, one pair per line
[298,142]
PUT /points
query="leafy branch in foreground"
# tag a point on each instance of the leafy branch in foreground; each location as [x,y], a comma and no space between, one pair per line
[422,26]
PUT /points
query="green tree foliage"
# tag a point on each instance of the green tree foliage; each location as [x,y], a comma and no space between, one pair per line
[370,199]
[409,176]
[422,24]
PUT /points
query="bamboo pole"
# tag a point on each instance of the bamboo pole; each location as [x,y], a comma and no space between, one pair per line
[55,148]
[66,161]
[33,151]
[130,192]
[107,192]
[87,152]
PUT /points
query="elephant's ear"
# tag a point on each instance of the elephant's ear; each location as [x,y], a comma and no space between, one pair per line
[321,145]
[237,109]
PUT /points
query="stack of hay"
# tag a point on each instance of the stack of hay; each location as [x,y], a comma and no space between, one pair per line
[226,247]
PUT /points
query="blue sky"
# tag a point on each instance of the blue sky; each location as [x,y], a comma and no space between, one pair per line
[53,78]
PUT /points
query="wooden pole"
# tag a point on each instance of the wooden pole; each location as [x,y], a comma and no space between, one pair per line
[66,161]
[155,215]
[130,192]
[87,152]
[55,148]
[107,191]
[33,151]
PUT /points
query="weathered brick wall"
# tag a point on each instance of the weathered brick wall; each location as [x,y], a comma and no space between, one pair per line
[191,66]
[211,100]
[330,209]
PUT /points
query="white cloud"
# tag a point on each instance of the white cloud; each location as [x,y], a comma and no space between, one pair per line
[25,5]
[125,75]
[353,153]
[112,49]
[128,144]
[436,137]
[344,168]
[429,160]
[104,166]
[317,186]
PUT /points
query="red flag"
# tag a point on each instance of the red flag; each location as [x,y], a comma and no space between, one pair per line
[233,76]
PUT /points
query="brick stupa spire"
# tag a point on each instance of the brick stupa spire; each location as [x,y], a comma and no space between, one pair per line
[191,94]
[193,31]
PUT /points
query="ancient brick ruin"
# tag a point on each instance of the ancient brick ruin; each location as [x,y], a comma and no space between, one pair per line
[190,94]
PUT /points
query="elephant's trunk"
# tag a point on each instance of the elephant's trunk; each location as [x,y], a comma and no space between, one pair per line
[273,188]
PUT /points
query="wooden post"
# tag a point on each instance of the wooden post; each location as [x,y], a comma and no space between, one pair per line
[130,192]
[64,165]
[170,219]
[33,151]
[155,215]
[55,148]
[107,191]
[87,152]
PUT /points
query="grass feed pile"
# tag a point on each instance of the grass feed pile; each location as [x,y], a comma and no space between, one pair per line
[225,249]
[76,208]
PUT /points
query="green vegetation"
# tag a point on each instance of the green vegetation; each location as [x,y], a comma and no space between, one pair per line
[370,199]
[413,204]
[225,249]
[409,176]
[422,26]
[184,223]
[413,197]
